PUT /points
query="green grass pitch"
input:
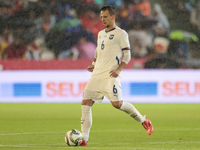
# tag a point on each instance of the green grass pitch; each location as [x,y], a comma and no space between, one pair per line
[43,126]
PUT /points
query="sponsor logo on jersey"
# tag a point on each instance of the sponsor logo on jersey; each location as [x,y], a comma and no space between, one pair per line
[111,36]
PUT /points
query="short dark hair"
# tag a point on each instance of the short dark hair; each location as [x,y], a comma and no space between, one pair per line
[110,9]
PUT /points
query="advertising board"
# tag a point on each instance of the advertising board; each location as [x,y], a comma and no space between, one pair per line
[67,86]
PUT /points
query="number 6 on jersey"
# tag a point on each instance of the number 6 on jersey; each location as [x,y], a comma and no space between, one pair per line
[102,45]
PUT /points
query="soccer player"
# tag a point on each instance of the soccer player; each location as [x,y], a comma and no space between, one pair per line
[111,56]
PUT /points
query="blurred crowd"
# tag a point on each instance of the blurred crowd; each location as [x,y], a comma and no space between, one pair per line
[67,29]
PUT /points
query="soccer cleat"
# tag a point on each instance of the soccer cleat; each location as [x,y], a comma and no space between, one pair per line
[84,143]
[148,126]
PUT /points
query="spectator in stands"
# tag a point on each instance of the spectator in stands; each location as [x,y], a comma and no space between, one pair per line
[127,23]
[17,49]
[139,11]
[197,17]
[19,5]
[83,50]
[86,2]
[189,5]
[54,7]
[140,40]
[142,7]
[123,12]
[115,3]
[22,4]
[99,2]
[32,50]
[138,50]
[37,29]
[5,12]
[67,13]
[162,28]
[6,38]
[48,21]
[91,21]
[181,50]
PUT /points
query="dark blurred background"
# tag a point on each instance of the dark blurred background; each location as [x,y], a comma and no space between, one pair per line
[163,34]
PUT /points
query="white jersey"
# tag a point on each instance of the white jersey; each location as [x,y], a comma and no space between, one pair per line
[110,45]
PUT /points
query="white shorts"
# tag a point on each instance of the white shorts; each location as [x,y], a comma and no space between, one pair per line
[97,88]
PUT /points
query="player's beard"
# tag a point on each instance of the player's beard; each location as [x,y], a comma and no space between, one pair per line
[107,26]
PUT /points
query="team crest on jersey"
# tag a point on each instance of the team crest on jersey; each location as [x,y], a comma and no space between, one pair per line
[111,36]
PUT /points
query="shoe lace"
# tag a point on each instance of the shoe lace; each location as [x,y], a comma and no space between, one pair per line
[145,125]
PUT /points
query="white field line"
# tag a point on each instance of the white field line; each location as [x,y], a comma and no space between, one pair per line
[185,129]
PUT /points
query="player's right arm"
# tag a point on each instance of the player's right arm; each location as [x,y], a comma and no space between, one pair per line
[91,67]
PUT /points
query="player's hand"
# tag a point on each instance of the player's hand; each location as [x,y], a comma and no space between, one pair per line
[90,68]
[114,73]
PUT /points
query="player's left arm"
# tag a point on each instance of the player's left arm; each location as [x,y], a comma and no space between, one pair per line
[124,44]
[125,60]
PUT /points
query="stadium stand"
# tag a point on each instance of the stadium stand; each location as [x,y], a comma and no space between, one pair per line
[50,31]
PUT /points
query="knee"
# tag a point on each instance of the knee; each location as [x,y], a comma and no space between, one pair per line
[117,104]
[88,102]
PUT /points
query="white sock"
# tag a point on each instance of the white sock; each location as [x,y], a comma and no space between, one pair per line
[86,121]
[132,111]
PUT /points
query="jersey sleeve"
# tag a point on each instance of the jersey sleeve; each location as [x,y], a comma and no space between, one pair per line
[95,54]
[96,51]
[124,41]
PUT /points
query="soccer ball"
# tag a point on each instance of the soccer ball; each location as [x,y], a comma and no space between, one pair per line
[73,137]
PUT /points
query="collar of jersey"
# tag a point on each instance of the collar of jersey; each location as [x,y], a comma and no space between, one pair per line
[110,30]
